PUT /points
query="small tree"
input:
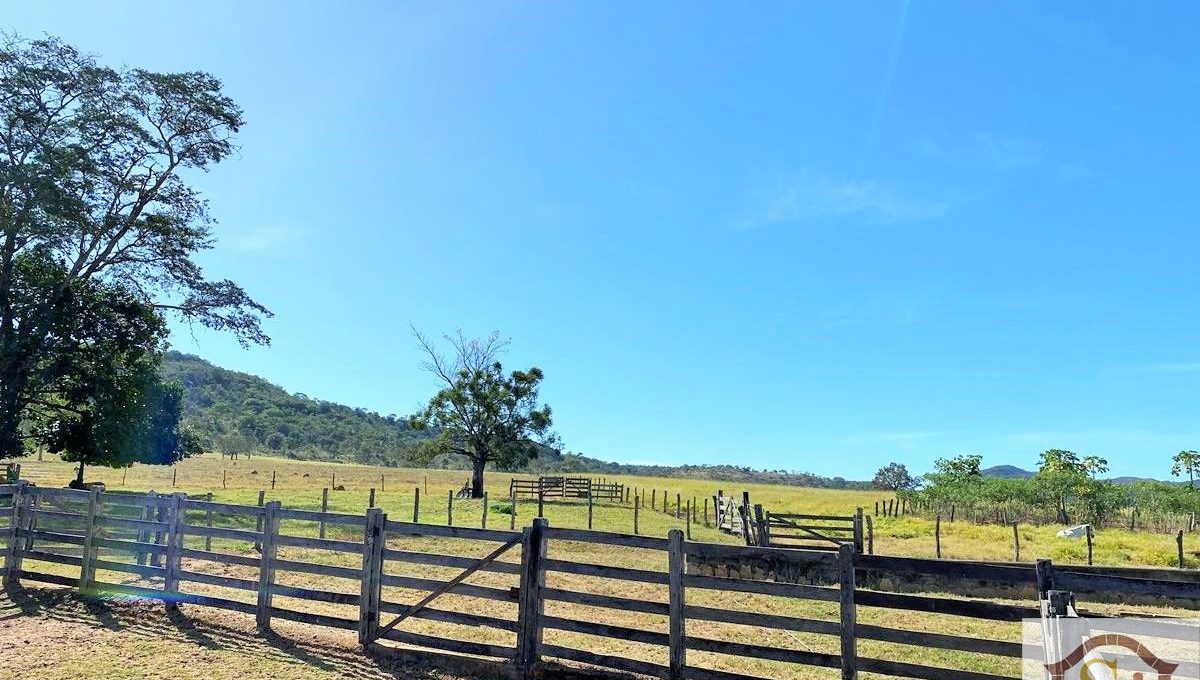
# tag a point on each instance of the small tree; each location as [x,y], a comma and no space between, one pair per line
[480,412]
[1189,462]
[895,477]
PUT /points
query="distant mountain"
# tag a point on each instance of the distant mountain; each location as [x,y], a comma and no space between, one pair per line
[239,412]
[1007,472]
[1014,472]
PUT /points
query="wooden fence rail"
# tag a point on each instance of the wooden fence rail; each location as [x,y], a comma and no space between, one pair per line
[93,530]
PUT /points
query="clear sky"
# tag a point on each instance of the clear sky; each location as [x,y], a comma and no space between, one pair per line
[811,236]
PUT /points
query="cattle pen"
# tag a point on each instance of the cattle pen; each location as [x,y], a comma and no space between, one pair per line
[681,609]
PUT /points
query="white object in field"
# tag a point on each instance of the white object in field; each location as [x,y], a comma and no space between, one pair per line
[1074,532]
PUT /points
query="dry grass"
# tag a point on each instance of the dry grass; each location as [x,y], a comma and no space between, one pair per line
[298,485]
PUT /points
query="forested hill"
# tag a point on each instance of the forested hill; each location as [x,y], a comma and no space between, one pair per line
[239,412]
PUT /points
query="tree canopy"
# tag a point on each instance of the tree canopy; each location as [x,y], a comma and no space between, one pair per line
[480,412]
[98,232]
[895,477]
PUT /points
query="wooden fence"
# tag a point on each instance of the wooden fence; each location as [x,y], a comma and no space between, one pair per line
[525,628]
[568,487]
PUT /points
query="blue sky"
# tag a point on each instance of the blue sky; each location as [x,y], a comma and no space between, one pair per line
[802,236]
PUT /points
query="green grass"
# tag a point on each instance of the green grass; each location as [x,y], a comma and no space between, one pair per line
[299,484]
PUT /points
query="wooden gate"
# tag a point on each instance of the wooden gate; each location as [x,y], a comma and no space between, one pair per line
[813,532]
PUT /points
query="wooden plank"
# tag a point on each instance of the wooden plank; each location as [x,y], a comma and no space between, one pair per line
[88,557]
[940,641]
[174,545]
[448,644]
[313,619]
[760,620]
[315,595]
[369,596]
[131,568]
[221,558]
[608,538]
[531,607]
[43,513]
[606,661]
[795,590]
[1099,583]
[764,652]
[677,563]
[607,601]
[266,569]
[472,533]
[220,532]
[465,589]
[603,571]
[437,560]
[445,616]
[938,605]
[320,544]
[53,579]
[12,555]
[223,508]
[318,569]
[848,613]
[718,551]
[909,670]
[47,556]
[215,580]
[129,546]
[54,537]
[831,518]
[326,517]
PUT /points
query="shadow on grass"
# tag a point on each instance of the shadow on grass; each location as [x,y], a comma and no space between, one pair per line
[205,628]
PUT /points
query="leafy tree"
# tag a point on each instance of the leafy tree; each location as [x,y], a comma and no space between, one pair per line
[960,467]
[1189,462]
[480,412]
[92,201]
[894,476]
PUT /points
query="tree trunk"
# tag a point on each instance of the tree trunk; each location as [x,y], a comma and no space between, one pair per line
[477,477]
[78,477]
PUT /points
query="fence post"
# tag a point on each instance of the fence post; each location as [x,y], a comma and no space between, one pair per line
[858,530]
[589,504]
[1179,542]
[541,499]
[676,565]
[937,535]
[12,559]
[1016,543]
[870,535]
[87,564]
[689,521]
[637,500]
[266,565]
[324,509]
[160,534]
[848,611]
[485,509]
[512,518]
[208,519]
[763,535]
[531,604]
[178,517]
[371,498]
[417,505]
[1089,543]
[144,534]
[706,511]
[258,523]
[450,509]
[371,580]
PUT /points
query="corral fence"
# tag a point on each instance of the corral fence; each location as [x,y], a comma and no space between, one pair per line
[690,622]
[568,487]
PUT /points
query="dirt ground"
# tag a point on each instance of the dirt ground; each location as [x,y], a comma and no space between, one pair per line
[56,634]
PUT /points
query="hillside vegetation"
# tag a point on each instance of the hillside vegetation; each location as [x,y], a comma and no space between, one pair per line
[240,413]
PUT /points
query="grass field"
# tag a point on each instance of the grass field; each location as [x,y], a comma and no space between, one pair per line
[298,485]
